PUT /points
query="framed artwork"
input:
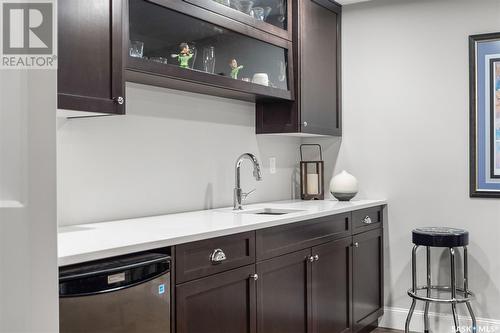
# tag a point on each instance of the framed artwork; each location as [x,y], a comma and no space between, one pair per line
[484,57]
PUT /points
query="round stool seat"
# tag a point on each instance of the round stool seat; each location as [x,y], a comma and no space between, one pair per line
[440,237]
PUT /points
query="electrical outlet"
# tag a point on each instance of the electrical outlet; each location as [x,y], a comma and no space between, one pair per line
[272,165]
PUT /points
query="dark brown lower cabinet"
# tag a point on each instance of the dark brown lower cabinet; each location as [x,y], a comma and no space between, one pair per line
[331,287]
[306,291]
[305,278]
[220,303]
[282,293]
[368,278]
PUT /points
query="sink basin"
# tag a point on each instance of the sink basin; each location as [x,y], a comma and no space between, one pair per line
[270,211]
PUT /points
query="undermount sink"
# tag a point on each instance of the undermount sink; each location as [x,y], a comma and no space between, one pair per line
[270,211]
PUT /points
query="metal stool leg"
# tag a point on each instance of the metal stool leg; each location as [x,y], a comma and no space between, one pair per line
[413,286]
[410,314]
[454,290]
[466,289]
[426,311]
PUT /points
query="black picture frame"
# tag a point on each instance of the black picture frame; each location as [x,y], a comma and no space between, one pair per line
[475,186]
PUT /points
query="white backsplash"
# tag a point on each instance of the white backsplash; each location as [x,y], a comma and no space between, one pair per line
[173,151]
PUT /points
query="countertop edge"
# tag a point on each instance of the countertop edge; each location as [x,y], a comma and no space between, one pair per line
[123,250]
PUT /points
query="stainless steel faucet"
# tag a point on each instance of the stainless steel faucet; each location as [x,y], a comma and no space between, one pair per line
[238,193]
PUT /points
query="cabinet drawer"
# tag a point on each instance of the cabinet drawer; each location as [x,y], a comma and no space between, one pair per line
[367,219]
[275,241]
[206,257]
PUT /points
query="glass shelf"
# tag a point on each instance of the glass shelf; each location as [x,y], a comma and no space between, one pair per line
[168,39]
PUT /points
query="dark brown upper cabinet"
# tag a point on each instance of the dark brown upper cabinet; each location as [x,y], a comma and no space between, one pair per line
[272,16]
[155,30]
[89,64]
[316,109]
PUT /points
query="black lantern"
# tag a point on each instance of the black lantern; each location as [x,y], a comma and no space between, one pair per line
[311,176]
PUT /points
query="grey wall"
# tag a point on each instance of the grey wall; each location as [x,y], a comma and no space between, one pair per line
[28,228]
[405,74]
[172,152]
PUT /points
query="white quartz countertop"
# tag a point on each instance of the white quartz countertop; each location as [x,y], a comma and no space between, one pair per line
[86,242]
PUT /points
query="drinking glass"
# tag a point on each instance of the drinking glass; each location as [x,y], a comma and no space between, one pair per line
[267,11]
[223,2]
[282,75]
[209,59]
[194,51]
[258,13]
[161,60]
[282,11]
[244,6]
[136,48]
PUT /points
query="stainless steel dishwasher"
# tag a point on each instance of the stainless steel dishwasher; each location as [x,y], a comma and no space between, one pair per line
[128,294]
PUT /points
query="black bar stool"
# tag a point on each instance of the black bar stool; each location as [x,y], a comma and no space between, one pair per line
[450,238]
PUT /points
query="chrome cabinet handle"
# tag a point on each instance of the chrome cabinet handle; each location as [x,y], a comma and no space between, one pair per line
[310,258]
[304,123]
[356,244]
[119,100]
[367,220]
[218,256]
[255,277]
[316,257]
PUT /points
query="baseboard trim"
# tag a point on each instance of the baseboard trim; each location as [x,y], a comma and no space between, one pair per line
[395,318]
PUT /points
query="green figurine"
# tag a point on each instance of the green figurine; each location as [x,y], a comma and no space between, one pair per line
[235,69]
[184,55]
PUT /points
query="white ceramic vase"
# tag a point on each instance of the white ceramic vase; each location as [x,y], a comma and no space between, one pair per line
[344,186]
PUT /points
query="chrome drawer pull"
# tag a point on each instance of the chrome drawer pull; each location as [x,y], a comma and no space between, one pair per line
[316,257]
[255,277]
[367,220]
[356,244]
[218,256]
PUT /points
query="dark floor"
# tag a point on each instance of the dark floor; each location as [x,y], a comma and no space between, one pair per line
[385,330]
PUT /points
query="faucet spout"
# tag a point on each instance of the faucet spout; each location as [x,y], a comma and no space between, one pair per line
[238,193]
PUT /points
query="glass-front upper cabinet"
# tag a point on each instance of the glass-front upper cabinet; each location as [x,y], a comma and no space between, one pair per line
[271,16]
[165,41]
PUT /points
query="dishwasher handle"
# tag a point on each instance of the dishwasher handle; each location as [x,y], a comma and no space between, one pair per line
[111,276]
[110,270]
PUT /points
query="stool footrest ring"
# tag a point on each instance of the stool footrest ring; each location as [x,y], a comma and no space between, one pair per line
[465,297]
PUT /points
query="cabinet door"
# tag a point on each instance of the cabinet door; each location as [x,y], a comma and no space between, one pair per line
[331,287]
[319,67]
[221,57]
[270,16]
[89,65]
[368,277]
[282,294]
[221,303]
